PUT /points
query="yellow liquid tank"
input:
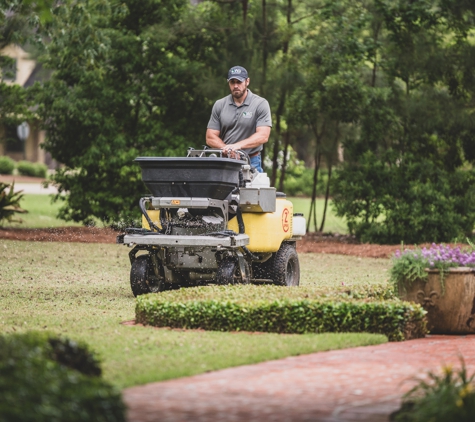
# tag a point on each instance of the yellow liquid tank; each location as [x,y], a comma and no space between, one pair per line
[267,230]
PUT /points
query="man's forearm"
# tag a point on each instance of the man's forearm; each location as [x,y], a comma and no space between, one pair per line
[252,142]
[256,139]
[214,141]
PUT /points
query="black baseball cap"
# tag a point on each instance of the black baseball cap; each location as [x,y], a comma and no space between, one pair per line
[237,72]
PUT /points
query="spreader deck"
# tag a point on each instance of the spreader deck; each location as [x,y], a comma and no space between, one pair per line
[236,241]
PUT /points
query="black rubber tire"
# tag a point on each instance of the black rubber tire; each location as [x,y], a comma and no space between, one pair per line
[260,270]
[142,277]
[284,268]
[229,272]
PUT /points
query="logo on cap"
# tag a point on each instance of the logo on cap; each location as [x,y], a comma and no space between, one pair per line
[237,72]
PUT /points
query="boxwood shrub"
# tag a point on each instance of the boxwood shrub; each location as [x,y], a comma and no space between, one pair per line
[7,165]
[280,310]
[27,168]
[44,378]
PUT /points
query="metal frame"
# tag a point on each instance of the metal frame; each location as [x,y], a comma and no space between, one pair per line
[166,240]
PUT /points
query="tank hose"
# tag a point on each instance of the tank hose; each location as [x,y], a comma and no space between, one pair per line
[240,220]
[250,254]
[167,228]
[151,224]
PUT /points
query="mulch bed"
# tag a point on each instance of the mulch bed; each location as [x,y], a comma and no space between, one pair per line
[61,234]
[313,242]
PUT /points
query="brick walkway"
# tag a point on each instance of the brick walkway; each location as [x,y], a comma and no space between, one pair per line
[360,384]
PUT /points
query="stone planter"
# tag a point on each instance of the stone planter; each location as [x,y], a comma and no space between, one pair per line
[451,307]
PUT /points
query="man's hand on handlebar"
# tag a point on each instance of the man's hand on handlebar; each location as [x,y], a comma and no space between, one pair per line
[230,152]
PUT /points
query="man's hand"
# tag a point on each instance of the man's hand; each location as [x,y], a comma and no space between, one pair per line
[230,152]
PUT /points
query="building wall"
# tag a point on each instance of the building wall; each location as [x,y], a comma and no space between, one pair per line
[32,150]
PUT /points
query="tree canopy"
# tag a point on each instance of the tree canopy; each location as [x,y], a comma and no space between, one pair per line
[388,84]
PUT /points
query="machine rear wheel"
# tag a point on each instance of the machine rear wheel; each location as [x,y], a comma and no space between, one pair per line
[142,277]
[284,268]
[229,272]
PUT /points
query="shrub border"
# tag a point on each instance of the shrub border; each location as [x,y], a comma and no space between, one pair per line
[396,319]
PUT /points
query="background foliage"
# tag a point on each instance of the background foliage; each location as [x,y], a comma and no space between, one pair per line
[387,86]
[46,378]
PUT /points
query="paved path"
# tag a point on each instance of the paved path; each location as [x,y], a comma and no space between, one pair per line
[28,184]
[36,188]
[359,384]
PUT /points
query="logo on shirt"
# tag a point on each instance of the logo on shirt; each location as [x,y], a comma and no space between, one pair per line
[247,114]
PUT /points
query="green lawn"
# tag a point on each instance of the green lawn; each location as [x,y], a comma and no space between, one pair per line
[333,224]
[42,213]
[82,291]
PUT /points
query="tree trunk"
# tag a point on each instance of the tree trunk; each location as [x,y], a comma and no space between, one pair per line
[317,159]
[313,202]
[284,163]
[329,159]
[280,108]
[264,47]
[327,193]
[278,129]
[375,58]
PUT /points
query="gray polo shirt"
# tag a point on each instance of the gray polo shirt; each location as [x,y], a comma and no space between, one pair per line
[236,123]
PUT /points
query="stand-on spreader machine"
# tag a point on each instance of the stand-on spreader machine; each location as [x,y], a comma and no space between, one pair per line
[211,219]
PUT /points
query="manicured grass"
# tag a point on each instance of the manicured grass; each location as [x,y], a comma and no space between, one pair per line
[82,291]
[41,212]
[333,224]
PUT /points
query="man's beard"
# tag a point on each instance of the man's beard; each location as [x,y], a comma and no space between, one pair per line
[238,93]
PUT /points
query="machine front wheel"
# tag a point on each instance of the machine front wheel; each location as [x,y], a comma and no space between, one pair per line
[142,277]
[284,267]
[229,272]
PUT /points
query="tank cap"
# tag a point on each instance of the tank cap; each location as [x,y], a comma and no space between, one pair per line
[280,195]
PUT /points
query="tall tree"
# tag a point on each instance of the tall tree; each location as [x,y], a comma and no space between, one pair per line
[127,81]
[333,92]
[408,174]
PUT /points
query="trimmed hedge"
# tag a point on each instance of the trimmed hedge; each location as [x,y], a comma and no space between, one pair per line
[279,310]
[49,379]
[7,165]
[27,168]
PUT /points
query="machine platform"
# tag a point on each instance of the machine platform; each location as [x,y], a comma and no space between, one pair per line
[187,241]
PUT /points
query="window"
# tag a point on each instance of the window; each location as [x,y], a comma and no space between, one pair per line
[12,142]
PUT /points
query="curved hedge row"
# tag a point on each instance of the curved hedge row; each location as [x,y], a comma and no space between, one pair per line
[47,379]
[279,310]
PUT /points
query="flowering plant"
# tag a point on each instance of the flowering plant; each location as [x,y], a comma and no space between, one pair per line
[412,264]
[449,396]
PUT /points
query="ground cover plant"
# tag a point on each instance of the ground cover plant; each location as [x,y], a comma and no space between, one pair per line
[44,378]
[9,203]
[82,291]
[447,396]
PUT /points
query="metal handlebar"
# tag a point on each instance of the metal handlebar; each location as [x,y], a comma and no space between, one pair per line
[212,152]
